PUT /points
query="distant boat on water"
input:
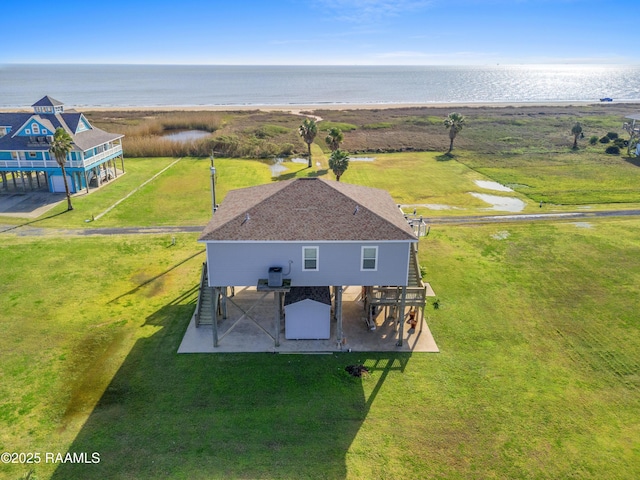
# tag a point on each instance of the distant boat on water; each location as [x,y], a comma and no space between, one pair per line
[606,99]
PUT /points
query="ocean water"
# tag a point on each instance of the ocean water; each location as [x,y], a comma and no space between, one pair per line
[176,85]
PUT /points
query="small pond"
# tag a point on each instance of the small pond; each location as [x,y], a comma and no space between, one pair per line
[186,135]
[502,204]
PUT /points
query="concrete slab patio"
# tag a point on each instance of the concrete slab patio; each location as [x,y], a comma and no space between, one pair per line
[254,331]
[28,204]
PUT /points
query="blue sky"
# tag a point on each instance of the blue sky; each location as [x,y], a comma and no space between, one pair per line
[321,32]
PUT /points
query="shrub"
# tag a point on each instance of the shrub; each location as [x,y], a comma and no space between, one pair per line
[593,139]
[613,150]
[605,139]
[268,131]
[620,143]
[326,125]
[612,135]
[424,121]
[287,149]
[377,126]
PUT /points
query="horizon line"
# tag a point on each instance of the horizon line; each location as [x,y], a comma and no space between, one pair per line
[488,64]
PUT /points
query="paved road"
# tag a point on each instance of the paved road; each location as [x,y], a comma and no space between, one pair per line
[29,229]
[529,217]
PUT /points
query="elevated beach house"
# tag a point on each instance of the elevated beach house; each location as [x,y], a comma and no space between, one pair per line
[25,161]
[302,239]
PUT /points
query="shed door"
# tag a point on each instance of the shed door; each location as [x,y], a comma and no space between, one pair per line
[307,320]
[57,183]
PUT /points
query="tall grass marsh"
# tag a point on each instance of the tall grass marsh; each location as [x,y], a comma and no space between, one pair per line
[258,134]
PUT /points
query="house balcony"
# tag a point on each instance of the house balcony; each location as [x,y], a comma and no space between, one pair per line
[23,162]
[114,151]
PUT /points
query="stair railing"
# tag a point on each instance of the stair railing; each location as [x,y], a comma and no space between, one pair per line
[203,281]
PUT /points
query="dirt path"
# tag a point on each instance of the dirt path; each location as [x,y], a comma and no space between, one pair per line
[299,112]
[531,217]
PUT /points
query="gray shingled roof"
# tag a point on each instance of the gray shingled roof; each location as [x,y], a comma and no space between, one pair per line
[308,209]
[318,294]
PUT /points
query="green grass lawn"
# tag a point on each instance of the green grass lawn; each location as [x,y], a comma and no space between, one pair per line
[72,309]
[538,375]
[181,195]
[563,179]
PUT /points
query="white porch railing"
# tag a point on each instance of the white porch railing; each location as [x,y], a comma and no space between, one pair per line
[414,296]
[113,151]
[22,162]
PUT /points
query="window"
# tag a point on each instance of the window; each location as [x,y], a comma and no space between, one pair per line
[369,258]
[33,155]
[35,128]
[309,258]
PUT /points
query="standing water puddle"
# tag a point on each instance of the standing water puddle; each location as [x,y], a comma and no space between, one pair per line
[489,185]
[186,135]
[277,168]
[502,204]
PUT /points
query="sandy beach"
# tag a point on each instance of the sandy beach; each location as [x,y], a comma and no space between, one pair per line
[297,109]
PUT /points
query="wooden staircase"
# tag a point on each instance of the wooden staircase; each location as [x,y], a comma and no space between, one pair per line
[204,307]
[415,279]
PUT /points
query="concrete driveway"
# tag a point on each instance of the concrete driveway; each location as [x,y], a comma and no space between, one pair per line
[28,204]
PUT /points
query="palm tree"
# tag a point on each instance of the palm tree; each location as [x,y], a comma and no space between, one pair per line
[308,131]
[60,148]
[334,138]
[576,131]
[339,162]
[454,122]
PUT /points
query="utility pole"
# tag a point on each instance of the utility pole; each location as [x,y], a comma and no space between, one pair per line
[213,186]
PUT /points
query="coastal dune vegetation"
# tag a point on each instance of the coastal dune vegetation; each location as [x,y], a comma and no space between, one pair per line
[505,131]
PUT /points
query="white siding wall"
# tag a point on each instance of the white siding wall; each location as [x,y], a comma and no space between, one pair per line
[243,264]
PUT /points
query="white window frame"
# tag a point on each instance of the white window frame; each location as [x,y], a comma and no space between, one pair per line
[317,259]
[35,128]
[362,258]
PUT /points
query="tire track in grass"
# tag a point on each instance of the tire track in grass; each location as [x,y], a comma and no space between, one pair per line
[135,190]
[615,361]
[593,352]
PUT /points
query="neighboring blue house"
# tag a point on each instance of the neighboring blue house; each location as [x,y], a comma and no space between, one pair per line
[24,149]
[299,237]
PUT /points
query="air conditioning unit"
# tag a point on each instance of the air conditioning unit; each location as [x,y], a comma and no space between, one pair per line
[275,277]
